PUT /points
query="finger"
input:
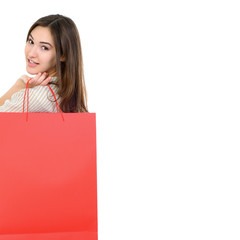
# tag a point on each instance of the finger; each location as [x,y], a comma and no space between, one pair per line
[46,81]
[42,78]
[35,79]
[39,78]
[25,78]
[31,80]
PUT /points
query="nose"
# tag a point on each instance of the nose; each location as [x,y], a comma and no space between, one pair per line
[32,52]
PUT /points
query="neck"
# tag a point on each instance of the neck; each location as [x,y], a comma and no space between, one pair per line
[52,74]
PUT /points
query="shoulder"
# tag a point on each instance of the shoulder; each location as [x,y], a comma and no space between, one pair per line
[40,100]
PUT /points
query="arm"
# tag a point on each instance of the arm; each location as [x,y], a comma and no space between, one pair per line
[39,79]
[19,85]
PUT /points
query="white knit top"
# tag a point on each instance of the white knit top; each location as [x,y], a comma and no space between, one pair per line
[40,100]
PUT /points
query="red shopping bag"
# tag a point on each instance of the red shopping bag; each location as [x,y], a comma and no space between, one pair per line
[48,177]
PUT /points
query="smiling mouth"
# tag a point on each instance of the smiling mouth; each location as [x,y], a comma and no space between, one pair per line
[32,62]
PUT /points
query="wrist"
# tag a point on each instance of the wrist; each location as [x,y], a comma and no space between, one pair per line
[20,83]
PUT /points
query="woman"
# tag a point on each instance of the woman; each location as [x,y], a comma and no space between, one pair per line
[53,54]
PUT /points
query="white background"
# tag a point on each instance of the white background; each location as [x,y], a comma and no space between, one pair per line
[163,79]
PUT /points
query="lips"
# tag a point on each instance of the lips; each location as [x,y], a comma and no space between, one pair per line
[32,62]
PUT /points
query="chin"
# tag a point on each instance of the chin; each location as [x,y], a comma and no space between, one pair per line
[32,71]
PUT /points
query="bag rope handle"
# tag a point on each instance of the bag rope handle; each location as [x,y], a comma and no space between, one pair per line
[27,91]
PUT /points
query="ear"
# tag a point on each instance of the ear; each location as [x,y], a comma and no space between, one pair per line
[62,59]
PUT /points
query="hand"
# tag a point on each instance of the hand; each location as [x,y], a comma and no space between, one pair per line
[41,79]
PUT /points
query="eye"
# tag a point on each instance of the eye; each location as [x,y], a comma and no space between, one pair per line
[30,41]
[44,48]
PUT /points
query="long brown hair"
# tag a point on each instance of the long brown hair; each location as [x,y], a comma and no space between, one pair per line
[69,62]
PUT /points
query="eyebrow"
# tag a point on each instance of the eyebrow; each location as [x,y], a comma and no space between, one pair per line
[41,42]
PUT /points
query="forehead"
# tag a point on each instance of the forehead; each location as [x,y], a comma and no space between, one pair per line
[42,34]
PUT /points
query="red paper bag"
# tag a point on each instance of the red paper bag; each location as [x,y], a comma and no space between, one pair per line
[48,176]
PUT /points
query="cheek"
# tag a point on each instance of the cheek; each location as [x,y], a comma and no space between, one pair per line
[26,50]
[48,61]
[52,60]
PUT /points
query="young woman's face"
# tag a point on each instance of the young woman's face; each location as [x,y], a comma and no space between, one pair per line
[40,52]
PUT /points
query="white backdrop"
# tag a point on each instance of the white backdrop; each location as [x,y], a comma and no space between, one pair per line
[163,79]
